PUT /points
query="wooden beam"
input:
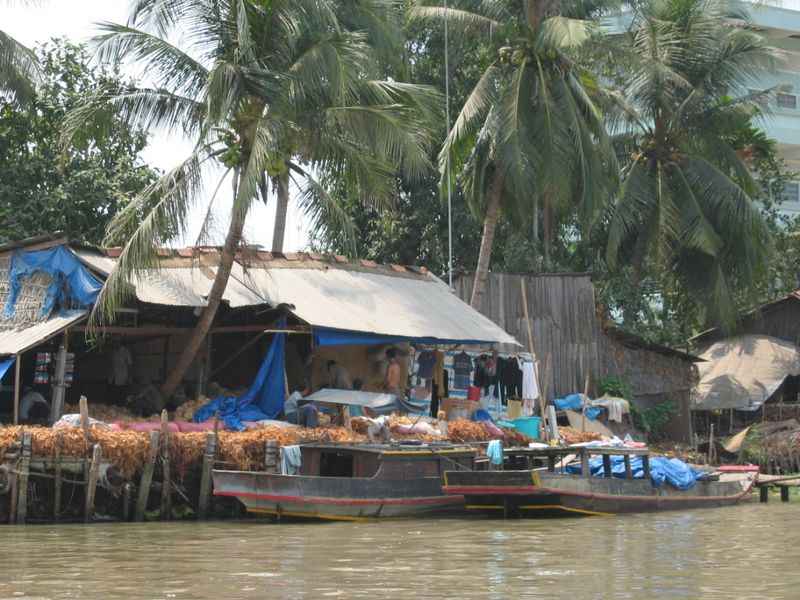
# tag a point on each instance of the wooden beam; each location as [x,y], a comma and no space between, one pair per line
[57,482]
[17,386]
[91,483]
[205,478]
[22,485]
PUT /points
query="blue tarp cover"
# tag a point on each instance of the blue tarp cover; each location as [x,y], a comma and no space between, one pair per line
[672,470]
[575,402]
[324,336]
[5,365]
[71,280]
[264,399]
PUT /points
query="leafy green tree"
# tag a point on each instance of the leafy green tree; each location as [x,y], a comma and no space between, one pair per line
[77,190]
[686,198]
[529,134]
[274,90]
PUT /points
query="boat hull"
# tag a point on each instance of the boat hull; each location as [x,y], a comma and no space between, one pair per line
[533,493]
[336,498]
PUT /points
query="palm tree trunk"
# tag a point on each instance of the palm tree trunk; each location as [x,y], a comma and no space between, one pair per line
[487,240]
[547,226]
[282,187]
[200,331]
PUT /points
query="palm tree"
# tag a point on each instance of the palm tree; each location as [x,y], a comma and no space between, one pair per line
[530,136]
[19,69]
[273,91]
[685,198]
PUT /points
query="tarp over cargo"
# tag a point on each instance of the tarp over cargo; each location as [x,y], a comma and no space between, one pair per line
[743,372]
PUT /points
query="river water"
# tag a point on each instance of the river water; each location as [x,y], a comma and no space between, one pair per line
[749,551]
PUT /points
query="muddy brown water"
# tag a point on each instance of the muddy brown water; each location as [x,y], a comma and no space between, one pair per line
[749,551]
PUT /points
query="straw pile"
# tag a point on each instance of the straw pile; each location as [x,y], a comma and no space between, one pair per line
[186,411]
[104,412]
[462,430]
[570,435]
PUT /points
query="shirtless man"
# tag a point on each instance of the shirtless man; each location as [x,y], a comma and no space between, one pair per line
[391,383]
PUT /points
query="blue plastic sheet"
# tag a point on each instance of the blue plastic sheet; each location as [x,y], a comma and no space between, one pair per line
[5,365]
[571,402]
[672,470]
[324,336]
[72,284]
[264,399]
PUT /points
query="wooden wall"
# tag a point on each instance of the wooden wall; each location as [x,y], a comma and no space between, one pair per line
[566,327]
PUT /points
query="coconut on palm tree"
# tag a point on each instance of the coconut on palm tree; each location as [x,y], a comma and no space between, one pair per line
[530,136]
[685,201]
[273,91]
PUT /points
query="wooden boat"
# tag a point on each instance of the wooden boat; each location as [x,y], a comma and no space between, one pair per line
[352,482]
[522,491]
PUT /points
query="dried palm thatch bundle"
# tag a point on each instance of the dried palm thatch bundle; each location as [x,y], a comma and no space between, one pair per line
[462,430]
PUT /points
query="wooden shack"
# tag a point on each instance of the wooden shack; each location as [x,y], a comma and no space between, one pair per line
[568,329]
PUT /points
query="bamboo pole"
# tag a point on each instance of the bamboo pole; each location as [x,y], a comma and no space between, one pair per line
[147,477]
[531,349]
[91,483]
[583,403]
[166,491]
[127,494]
[83,405]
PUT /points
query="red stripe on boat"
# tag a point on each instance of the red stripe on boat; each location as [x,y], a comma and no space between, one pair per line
[342,501]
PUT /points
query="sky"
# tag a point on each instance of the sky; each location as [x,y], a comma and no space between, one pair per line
[30,23]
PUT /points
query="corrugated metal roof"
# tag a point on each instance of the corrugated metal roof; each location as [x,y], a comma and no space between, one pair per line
[14,341]
[186,285]
[364,297]
[374,303]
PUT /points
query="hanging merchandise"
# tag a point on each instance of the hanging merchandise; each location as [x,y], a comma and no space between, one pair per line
[530,389]
[426,361]
[462,368]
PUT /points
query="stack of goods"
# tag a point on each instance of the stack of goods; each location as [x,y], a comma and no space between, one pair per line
[570,435]
[41,375]
[69,369]
[186,411]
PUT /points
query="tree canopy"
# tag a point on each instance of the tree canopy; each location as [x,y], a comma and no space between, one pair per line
[77,189]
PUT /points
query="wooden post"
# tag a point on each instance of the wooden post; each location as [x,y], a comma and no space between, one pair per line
[763,493]
[127,495]
[711,444]
[57,481]
[205,478]
[585,463]
[83,405]
[784,493]
[17,386]
[583,404]
[551,463]
[271,451]
[22,483]
[646,466]
[606,466]
[91,483]
[628,469]
[57,398]
[166,486]
[147,477]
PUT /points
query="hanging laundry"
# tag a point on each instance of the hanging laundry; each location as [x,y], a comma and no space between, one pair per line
[462,369]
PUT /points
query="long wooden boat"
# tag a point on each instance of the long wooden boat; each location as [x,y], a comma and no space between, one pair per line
[529,492]
[352,482]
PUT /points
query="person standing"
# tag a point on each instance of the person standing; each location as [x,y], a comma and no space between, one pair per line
[391,382]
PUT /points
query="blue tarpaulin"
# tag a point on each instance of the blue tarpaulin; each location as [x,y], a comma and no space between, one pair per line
[5,365]
[672,470]
[71,280]
[324,336]
[264,399]
[575,402]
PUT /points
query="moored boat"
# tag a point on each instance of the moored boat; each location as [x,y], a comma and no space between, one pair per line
[529,492]
[352,482]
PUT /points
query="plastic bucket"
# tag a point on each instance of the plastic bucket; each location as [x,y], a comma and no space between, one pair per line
[529,426]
